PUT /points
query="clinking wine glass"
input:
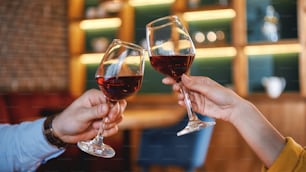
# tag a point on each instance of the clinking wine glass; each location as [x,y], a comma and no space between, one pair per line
[171,53]
[119,75]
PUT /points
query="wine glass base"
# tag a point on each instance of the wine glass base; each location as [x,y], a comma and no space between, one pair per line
[195,125]
[91,148]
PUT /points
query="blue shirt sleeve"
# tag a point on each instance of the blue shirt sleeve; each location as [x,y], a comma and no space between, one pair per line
[23,146]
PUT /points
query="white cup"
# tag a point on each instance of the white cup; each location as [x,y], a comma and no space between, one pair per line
[274,85]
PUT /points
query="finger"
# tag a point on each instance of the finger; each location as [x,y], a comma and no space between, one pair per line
[123,104]
[180,96]
[95,97]
[109,126]
[113,113]
[200,84]
[194,97]
[96,112]
[182,103]
[117,113]
[89,134]
[168,81]
[115,121]
[111,131]
[118,119]
[176,87]
[196,100]
[96,124]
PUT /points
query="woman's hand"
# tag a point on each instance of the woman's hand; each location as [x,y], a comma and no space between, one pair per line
[207,96]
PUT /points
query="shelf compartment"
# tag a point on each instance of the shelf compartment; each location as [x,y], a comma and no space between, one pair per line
[218,68]
[281,65]
[259,14]
[144,15]
[99,38]
[152,81]
[210,27]
[210,34]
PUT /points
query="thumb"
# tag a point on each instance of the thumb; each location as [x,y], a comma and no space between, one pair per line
[97,112]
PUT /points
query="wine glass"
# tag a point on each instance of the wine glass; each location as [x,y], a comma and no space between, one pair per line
[171,53]
[119,75]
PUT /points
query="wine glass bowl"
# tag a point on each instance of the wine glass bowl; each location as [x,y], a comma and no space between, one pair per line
[171,53]
[119,75]
[170,47]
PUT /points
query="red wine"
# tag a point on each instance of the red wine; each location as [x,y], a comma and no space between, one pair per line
[116,88]
[173,66]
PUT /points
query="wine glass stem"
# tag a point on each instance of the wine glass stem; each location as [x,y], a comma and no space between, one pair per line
[187,101]
[99,137]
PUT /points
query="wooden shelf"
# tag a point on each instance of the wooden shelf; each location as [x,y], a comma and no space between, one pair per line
[103,23]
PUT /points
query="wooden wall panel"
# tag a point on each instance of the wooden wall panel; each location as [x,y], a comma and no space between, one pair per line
[287,116]
[228,152]
[302,39]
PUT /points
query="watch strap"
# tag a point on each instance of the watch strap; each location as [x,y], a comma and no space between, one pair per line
[49,133]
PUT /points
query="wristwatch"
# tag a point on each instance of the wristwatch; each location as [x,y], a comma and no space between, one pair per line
[49,133]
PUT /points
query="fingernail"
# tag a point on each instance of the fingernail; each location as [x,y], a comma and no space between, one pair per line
[165,80]
[106,119]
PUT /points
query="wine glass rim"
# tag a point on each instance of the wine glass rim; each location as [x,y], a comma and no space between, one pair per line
[150,24]
[128,44]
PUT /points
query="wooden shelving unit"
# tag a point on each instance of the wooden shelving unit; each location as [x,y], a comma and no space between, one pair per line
[238,41]
[285,112]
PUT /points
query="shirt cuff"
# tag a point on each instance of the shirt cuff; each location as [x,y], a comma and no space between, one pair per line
[43,150]
[50,150]
[288,158]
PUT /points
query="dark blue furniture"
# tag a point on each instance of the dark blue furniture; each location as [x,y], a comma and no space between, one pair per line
[163,148]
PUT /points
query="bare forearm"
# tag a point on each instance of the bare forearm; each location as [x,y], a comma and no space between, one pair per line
[261,136]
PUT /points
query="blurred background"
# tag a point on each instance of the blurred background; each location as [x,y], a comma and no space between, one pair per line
[49,51]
